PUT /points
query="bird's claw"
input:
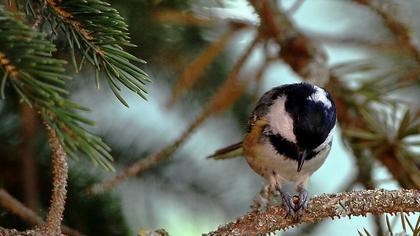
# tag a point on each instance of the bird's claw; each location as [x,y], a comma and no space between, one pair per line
[302,202]
[288,203]
[295,206]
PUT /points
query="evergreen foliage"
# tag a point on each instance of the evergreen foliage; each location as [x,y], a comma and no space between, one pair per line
[99,33]
[28,66]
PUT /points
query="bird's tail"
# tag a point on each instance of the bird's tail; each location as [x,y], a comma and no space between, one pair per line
[228,152]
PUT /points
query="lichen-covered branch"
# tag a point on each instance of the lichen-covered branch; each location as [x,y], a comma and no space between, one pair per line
[356,203]
[59,192]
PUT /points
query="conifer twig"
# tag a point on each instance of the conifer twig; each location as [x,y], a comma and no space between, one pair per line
[355,203]
[59,192]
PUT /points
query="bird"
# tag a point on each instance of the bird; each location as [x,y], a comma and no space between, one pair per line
[288,138]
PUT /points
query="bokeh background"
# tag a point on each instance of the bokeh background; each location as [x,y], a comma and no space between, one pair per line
[190,195]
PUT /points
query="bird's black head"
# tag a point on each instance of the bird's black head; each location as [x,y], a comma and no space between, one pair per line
[313,113]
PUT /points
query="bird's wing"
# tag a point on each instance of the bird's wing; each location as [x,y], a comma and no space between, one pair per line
[228,152]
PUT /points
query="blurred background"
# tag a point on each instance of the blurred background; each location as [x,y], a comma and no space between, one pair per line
[189,195]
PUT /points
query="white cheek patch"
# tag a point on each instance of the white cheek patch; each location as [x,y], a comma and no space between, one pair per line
[320,96]
[280,121]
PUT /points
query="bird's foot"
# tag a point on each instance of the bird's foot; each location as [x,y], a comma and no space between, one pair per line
[288,203]
[301,202]
[295,206]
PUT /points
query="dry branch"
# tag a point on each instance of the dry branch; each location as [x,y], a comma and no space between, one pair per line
[356,203]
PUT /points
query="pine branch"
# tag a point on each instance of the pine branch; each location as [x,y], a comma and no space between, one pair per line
[99,33]
[27,67]
[59,192]
[356,203]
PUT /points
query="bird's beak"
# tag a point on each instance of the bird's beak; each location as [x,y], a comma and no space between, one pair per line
[301,159]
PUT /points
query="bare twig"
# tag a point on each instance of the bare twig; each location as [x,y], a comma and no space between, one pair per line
[356,203]
[26,214]
[59,192]
[227,94]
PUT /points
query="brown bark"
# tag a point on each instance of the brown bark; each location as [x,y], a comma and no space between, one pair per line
[59,192]
[356,203]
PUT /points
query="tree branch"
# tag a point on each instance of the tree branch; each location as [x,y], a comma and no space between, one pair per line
[355,203]
[59,192]
[26,214]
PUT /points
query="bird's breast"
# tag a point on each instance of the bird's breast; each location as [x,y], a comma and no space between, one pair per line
[265,161]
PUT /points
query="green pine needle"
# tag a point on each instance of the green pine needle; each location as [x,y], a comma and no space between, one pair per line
[100,33]
[27,67]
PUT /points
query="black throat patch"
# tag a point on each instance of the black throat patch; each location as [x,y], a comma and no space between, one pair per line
[287,148]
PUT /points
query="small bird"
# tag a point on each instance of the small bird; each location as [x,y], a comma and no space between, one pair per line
[289,136]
